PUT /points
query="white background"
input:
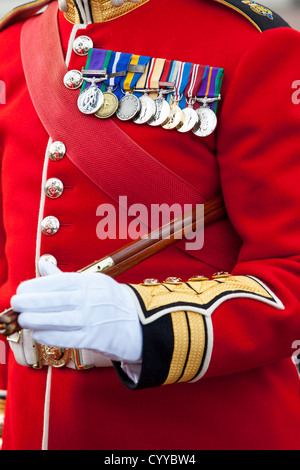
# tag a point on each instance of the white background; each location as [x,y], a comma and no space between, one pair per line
[288,9]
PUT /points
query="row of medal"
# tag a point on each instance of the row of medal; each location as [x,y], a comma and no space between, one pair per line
[171,94]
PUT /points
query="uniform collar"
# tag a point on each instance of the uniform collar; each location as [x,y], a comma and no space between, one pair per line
[97,11]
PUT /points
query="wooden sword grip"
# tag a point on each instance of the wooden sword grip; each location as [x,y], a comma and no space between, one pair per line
[9,323]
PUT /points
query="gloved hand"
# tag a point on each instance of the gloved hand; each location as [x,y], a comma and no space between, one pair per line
[80,311]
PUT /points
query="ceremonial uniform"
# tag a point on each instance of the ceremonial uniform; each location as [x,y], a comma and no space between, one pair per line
[230,336]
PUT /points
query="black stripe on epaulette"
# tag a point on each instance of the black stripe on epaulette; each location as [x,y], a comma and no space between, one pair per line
[260,16]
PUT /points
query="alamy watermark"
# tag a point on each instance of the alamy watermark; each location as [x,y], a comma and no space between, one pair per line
[2,352]
[2,92]
[137,221]
[296,353]
[296,93]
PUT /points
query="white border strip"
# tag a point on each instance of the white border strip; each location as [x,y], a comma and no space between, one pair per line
[273,302]
[45,439]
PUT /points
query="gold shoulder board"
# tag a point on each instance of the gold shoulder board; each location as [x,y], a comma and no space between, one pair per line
[261,17]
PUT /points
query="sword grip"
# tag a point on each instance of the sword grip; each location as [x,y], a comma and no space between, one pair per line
[9,323]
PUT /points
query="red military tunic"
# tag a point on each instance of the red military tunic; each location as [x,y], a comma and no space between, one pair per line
[249,397]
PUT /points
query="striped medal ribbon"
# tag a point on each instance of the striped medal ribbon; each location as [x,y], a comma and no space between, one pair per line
[191,117]
[91,97]
[208,96]
[176,117]
[130,105]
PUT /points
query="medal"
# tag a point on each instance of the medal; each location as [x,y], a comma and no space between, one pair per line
[207,122]
[209,94]
[148,107]
[176,116]
[109,106]
[130,105]
[162,107]
[110,100]
[162,111]
[91,99]
[147,111]
[191,117]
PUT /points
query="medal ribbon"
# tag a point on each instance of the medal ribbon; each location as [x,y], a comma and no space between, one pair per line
[165,75]
[181,82]
[174,66]
[132,78]
[141,83]
[196,76]
[155,71]
[97,59]
[211,85]
[100,59]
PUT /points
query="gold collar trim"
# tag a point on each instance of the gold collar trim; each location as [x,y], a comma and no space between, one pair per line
[97,11]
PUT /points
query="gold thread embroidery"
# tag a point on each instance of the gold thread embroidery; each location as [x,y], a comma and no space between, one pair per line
[201,293]
[197,346]
[181,345]
[259,9]
[102,10]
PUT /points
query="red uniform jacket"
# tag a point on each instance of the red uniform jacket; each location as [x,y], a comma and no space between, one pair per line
[249,397]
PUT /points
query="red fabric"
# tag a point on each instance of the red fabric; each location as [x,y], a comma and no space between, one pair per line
[250,396]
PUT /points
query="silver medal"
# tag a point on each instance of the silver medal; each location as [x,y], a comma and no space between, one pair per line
[148,110]
[90,100]
[162,112]
[129,107]
[207,122]
[191,119]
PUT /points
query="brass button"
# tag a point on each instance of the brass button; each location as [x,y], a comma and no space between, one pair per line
[50,225]
[54,188]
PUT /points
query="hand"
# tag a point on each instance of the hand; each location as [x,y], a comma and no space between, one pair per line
[81,311]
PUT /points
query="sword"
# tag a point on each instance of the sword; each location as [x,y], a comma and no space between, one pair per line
[137,251]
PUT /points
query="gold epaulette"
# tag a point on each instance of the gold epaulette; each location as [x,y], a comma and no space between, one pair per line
[97,11]
[22,12]
[261,17]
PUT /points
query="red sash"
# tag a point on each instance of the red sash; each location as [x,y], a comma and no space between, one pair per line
[120,162]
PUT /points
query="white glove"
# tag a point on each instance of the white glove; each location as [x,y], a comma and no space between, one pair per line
[80,311]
